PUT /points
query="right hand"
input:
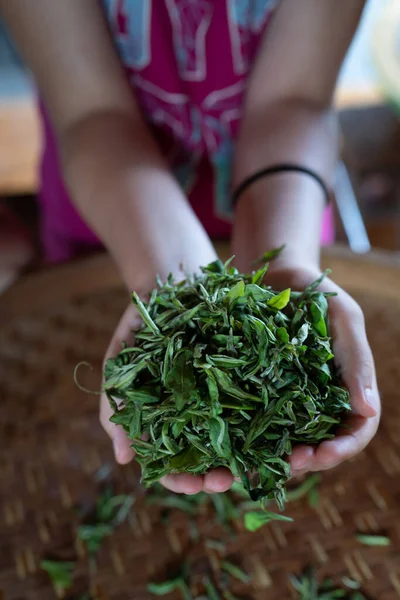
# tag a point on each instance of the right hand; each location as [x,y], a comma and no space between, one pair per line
[217,480]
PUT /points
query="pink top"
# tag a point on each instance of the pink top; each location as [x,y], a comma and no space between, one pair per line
[187,62]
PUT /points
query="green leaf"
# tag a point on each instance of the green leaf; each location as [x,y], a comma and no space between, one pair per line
[165,587]
[282,335]
[215,267]
[227,362]
[271,254]
[235,571]
[281,300]
[94,535]
[168,442]
[181,381]
[236,292]
[318,319]
[373,540]
[60,572]
[186,459]
[135,424]
[145,314]
[255,520]
[352,584]
[302,334]
[226,385]
[212,592]
[212,386]
[124,376]
[259,275]
[219,437]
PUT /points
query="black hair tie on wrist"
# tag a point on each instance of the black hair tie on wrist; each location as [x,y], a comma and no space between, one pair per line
[282,168]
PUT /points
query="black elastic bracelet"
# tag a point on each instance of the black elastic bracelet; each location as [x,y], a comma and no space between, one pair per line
[282,168]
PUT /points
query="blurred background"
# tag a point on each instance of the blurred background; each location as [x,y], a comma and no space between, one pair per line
[368,181]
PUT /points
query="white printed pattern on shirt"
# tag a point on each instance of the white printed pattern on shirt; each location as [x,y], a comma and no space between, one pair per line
[190,20]
[246,18]
[134,43]
[175,113]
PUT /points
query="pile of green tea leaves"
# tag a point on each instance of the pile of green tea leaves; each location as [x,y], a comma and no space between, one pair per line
[226,371]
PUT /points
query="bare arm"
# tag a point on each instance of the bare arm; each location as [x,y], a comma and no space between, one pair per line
[288,118]
[112,166]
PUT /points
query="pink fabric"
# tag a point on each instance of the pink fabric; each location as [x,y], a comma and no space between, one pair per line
[187,62]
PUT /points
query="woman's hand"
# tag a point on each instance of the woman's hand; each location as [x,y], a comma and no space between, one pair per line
[196,251]
[217,480]
[354,359]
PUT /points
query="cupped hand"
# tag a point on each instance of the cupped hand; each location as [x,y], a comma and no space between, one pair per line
[216,480]
[355,362]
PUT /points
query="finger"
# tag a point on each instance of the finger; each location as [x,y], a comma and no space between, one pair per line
[121,444]
[353,356]
[218,480]
[183,483]
[301,458]
[347,443]
[298,474]
[350,441]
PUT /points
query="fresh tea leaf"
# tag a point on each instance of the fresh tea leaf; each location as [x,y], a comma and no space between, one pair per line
[212,592]
[256,520]
[373,540]
[180,380]
[219,436]
[271,254]
[60,573]
[236,292]
[166,587]
[281,300]
[235,571]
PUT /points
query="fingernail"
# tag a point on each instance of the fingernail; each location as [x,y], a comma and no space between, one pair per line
[300,466]
[369,398]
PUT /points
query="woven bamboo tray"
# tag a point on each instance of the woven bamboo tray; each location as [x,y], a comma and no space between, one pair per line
[52,446]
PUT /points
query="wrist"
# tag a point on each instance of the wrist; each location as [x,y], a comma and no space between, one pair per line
[278,211]
[156,237]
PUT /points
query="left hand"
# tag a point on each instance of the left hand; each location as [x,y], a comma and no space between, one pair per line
[354,359]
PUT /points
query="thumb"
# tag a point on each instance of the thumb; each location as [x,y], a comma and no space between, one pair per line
[353,355]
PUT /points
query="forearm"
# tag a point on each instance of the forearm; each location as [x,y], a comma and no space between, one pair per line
[284,208]
[113,169]
[124,190]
